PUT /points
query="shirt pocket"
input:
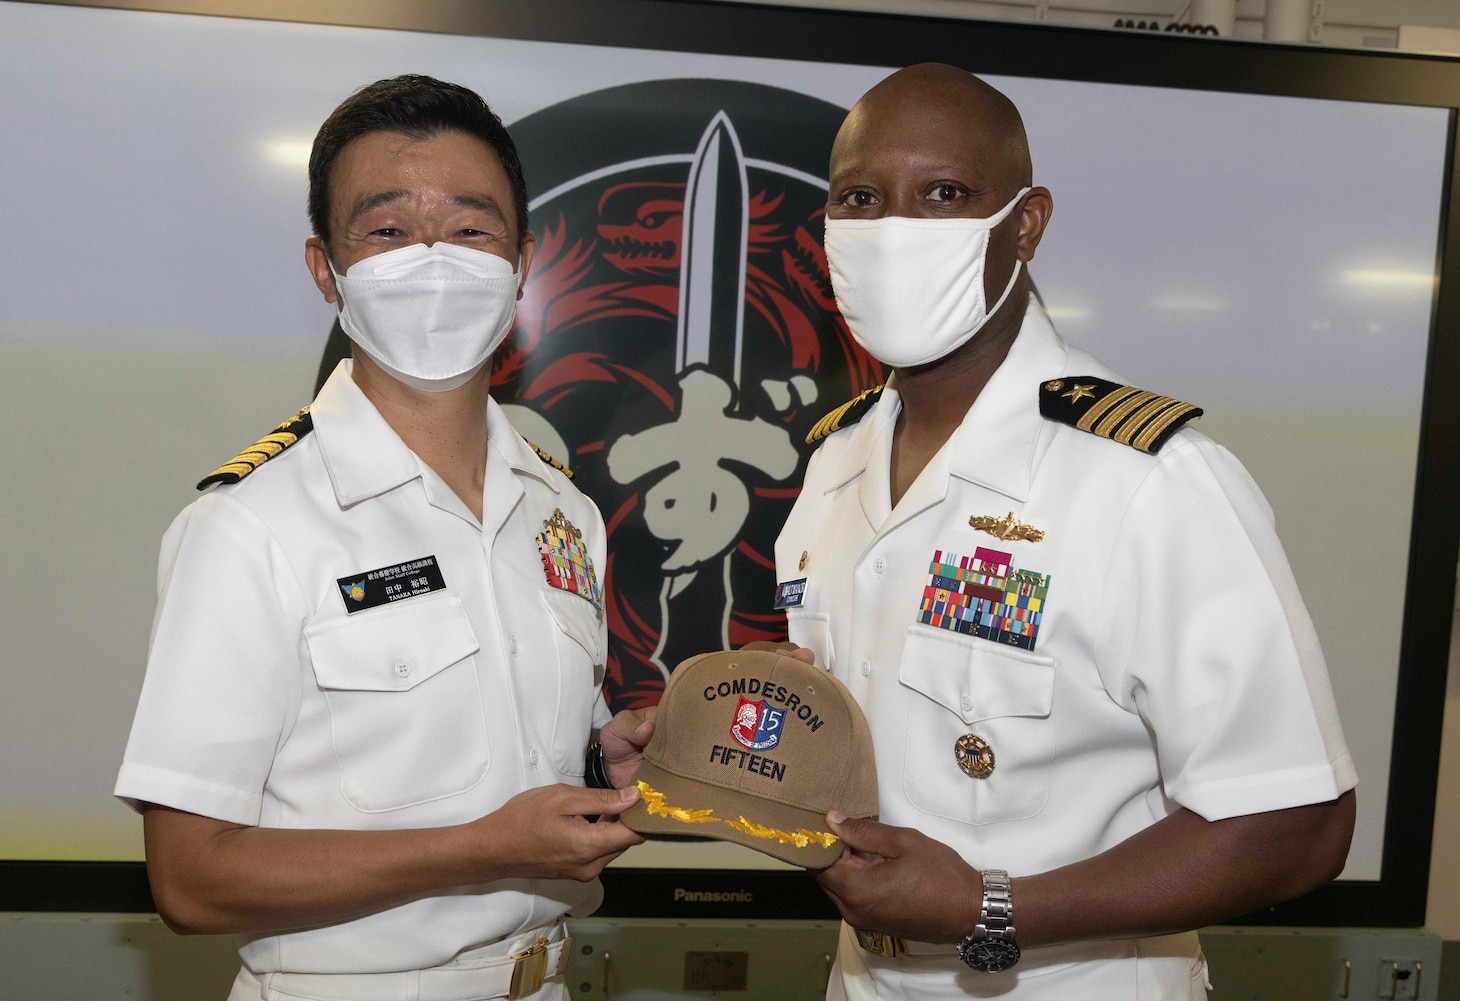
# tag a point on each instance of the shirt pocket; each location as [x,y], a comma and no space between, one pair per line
[966,685]
[405,703]
[578,641]
[813,631]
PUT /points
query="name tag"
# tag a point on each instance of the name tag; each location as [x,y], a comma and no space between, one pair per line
[388,584]
[790,592]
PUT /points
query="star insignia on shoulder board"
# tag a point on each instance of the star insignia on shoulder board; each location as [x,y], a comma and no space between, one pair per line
[1079,393]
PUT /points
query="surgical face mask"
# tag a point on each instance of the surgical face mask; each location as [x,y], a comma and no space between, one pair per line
[430,316]
[911,290]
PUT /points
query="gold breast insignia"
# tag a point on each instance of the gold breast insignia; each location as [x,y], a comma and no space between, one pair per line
[1006,528]
[975,756]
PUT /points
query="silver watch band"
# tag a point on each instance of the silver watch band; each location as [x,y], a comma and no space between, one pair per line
[997,913]
[990,947]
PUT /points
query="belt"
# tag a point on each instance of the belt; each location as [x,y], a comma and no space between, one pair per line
[515,976]
[881,944]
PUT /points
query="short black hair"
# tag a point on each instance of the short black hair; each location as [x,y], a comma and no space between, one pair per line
[419,107]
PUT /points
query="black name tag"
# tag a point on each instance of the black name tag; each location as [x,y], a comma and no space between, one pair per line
[789,593]
[396,583]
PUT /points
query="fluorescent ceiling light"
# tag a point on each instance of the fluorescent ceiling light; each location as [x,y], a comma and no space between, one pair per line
[287,152]
[1381,278]
[1066,312]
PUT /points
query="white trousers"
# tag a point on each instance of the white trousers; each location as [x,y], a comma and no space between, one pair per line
[1169,968]
[481,975]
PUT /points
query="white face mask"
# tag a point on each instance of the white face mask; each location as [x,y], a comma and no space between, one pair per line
[911,290]
[430,316]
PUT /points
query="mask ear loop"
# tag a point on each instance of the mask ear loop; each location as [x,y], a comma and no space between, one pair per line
[1018,264]
[1007,289]
[339,292]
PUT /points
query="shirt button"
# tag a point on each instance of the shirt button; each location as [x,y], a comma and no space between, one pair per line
[514,646]
[532,756]
[402,669]
[966,703]
[866,668]
[879,564]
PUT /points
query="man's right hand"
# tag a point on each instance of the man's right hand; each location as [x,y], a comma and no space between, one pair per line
[900,881]
[545,833]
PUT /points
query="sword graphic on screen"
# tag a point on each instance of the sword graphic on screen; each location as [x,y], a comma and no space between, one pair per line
[712,258]
[698,506]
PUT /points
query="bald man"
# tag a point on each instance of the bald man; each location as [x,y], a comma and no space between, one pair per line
[1101,715]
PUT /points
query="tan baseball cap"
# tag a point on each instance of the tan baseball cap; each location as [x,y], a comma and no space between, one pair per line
[755,747]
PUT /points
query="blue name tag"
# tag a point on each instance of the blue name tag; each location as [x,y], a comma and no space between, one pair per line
[790,592]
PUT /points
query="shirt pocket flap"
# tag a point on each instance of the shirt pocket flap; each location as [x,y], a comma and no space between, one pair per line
[811,630]
[974,678]
[391,649]
[578,619]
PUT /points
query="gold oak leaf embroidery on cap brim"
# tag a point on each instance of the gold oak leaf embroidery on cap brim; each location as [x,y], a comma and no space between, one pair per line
[844,416]
[1143,420]
[655,805]
[270,445]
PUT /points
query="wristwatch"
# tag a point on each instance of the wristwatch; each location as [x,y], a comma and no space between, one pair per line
[595,768]
[990,947]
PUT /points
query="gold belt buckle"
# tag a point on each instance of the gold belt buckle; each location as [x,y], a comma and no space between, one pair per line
[529,970]
[881,944]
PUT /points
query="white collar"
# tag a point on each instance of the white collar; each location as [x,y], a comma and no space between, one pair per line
[365,457]
[995,445]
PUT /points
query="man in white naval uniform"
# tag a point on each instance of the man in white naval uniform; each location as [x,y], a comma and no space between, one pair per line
[1099,708]
[376,665]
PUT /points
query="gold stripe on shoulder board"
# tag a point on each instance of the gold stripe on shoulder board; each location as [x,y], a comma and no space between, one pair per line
[276,441]
[550,460]
[1124,414]
[845,415]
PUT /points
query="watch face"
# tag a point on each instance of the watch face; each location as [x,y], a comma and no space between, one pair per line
[989,955]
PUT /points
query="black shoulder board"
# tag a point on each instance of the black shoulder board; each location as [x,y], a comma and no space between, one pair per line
[261,451]
[845,415]
[1125,414]
[550,460]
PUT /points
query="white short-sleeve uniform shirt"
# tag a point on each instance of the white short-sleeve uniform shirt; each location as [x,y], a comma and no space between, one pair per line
[1159,655]
[340,644]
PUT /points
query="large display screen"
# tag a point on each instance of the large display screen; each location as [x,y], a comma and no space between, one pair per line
[1274,259]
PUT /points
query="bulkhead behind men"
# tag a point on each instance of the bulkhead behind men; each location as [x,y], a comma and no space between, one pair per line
[377,658]
[1100,712]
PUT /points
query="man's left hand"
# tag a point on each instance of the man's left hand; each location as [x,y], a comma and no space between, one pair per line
[902,882]
[624,740]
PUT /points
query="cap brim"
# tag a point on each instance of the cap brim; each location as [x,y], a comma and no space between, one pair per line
[774,829]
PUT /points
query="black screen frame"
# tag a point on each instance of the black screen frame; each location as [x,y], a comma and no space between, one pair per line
[1398,898]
